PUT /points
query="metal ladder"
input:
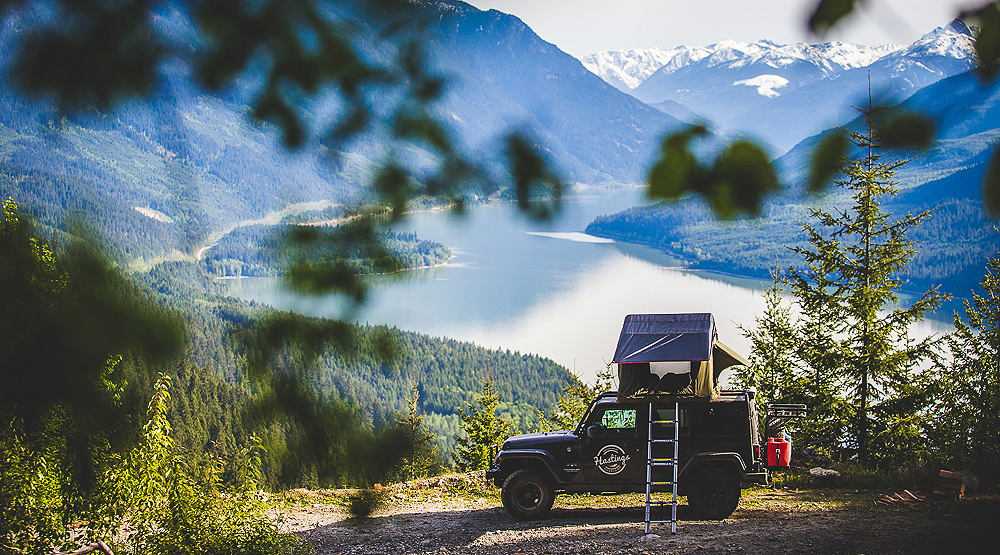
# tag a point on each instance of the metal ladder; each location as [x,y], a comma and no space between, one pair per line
[671,462]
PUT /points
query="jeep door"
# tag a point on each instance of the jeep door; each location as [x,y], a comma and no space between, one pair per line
[617,454]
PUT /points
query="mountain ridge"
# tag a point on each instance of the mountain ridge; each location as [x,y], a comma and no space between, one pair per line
[810,87]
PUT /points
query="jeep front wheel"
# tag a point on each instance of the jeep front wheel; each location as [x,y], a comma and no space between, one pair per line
[527,495]
[714,494]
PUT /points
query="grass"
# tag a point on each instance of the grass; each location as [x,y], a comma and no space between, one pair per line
[855,477]
[471,488]
[792,492]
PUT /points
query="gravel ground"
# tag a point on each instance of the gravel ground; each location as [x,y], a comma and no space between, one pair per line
[459,514]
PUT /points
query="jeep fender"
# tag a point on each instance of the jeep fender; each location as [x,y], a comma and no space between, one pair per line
[540,459]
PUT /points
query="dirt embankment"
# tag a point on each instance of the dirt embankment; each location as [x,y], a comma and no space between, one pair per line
[458,515]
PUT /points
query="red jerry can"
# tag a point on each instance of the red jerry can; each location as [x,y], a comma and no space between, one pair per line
[779,452]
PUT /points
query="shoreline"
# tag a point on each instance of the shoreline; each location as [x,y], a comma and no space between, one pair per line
[445,263]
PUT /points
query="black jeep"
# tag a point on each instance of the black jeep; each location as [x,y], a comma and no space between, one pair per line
[720,450]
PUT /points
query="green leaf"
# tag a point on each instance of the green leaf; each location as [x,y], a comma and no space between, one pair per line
[828,13]
[393,184]
[736,183]
[826,160]
[419,128]
[991,184]
[988,39]
[675,172]
[743,175]
[274,108]
[530,171]
[907,130]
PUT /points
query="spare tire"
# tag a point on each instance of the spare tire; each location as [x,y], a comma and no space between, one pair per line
[714,493]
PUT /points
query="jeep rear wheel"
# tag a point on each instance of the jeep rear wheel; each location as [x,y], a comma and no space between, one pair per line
[527,495]
[714,494]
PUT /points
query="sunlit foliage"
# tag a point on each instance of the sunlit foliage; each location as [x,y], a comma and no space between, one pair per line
[482,430]
[850,335]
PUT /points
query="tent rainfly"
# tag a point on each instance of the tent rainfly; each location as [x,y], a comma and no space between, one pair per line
[671,354]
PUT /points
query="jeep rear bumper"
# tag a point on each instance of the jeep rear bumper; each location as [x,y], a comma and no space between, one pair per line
[762,478]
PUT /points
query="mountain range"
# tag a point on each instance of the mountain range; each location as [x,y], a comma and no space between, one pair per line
[164,177]
[505,78]
[782,94]
[953,243]
[197,160]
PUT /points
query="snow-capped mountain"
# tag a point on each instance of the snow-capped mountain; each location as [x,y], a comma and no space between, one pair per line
[811,108]
[627,69]
[745,78]
[784,93]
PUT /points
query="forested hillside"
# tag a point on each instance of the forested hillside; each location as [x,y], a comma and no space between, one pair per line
[196,162]
[255,250]
[159,179]
[448,373]
[952,243]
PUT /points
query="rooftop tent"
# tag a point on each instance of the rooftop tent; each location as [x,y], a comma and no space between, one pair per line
[671,354]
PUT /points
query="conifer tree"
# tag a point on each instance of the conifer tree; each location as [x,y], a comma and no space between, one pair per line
[576,397]
[422,459]
[772,346]
[787,355]
[968,428]
[482,429]
[851,336]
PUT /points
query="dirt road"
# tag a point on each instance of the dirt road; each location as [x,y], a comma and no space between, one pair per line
[444,519]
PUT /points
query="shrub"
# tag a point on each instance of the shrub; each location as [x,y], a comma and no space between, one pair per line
[367,502]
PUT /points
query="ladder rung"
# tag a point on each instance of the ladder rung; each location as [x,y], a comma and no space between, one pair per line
[670,462]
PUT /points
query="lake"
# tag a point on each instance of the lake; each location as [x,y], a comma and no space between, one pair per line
[541,288]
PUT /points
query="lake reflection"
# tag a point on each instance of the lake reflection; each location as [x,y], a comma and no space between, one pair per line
[543,289]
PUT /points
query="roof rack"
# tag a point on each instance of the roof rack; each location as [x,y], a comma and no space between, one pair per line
[787,411]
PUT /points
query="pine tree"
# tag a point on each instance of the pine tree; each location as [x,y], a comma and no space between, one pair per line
[787,355]
[850,281]
[422,459]
[772,349]
[576,397]
[968,427]
[482,429]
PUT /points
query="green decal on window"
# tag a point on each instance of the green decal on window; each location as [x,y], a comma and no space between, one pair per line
[619,418]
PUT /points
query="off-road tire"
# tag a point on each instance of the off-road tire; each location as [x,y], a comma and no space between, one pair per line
[527,494]
[714,494]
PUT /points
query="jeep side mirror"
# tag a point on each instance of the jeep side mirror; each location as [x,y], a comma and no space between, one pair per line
[594,431]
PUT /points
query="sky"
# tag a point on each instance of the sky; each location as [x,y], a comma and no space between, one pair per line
[581,27]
